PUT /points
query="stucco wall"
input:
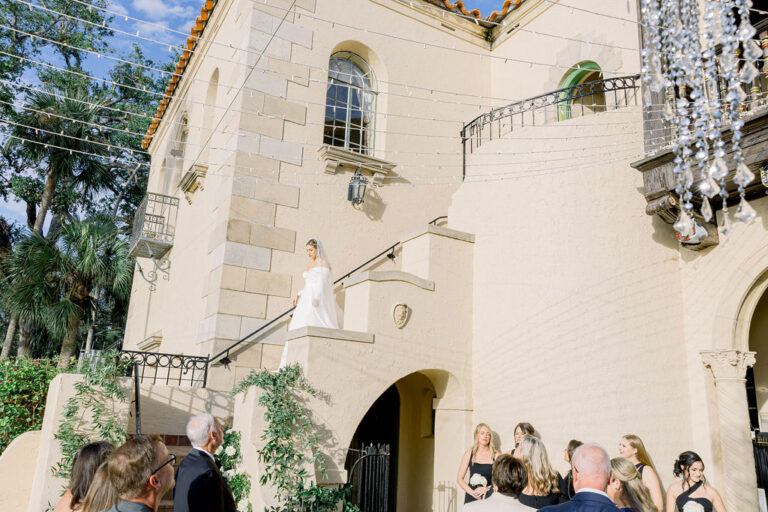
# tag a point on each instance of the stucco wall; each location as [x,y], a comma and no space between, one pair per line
[577,298]
[164,410]
[17,468]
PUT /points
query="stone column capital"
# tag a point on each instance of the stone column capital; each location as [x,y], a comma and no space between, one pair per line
[728,364]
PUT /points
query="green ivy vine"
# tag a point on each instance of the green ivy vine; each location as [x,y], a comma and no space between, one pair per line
[98,387]
[291,443]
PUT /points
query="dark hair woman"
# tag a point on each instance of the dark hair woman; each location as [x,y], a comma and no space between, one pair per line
[692,487]
[566,484]
[84,466]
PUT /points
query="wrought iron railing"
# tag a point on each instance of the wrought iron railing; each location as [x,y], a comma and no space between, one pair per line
[181,369]
[559,105]
[154,226]
[159,368]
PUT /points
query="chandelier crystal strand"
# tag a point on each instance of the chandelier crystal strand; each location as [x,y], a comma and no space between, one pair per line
[680,59]
[743,177]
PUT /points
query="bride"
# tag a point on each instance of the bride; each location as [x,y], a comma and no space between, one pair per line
[315,304]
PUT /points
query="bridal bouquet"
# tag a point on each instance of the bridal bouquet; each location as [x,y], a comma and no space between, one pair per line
[477,480]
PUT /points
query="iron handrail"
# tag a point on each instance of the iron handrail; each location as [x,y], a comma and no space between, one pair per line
[560,98]
[226,351]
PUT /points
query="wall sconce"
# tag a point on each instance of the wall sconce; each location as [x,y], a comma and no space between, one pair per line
[356,190]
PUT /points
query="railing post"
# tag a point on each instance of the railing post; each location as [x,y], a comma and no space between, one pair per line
[463,153]
[137,397]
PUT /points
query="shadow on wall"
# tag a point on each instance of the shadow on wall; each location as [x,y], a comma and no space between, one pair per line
[445,497]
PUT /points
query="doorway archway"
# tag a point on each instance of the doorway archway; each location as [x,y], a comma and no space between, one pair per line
[403,418]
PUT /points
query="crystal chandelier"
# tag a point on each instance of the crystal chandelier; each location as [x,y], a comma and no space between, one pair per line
[681,57]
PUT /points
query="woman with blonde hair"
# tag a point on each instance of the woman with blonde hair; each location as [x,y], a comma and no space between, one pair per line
[101,495]
[478,461]
[543,487]
[626,488]
[631,447]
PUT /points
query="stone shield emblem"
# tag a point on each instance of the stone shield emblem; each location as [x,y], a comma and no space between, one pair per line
[400,314]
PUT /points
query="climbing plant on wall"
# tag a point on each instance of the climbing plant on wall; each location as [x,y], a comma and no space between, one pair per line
[291,444]
[87,416]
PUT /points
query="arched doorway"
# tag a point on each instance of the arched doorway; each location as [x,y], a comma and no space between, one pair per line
[589,98]
[402,418]
[757,388]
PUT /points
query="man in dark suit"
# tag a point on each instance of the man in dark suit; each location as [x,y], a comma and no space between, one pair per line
[199,484]
[591,473]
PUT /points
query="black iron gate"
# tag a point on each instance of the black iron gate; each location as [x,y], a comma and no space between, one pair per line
[369,477]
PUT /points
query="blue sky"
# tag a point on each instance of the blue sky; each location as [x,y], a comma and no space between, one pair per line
[173,14]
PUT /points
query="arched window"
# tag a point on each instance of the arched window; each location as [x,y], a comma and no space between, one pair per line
[178,147]
[209,114]
[350,105]
[584,92]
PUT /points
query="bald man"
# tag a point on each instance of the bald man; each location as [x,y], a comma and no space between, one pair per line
[591,473]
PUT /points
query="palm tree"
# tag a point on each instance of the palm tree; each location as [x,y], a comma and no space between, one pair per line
[53,281]
[64,148]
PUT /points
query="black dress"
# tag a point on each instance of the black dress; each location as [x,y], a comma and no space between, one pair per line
[481,469]
[538,502]
[566,487]
[685,497]
[640,467]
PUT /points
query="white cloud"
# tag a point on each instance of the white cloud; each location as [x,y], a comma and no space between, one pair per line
[14,211]
[165,10]
[118,7]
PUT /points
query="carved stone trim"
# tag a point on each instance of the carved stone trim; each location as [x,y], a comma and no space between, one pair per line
[728,364]
[152,342]
[400,315]
[193,180]
[335,158]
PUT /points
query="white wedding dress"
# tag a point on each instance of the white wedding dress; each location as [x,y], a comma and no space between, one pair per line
[316,305]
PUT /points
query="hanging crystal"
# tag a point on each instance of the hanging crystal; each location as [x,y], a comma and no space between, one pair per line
[706,209]
[743,176]
[709,188]
[744,212]
[726,225]
[748,73]
[684,225]
[718,170]
[752,51]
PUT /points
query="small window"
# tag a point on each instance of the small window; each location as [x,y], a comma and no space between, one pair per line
[350,105]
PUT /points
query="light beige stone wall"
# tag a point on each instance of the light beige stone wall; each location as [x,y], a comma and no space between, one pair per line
[719,302]
[577,298]
[164,410]
[17,468]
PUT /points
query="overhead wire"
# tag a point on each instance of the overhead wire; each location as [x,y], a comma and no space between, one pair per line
[334,23]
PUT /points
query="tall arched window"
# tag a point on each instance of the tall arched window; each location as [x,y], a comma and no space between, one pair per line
[178,147]
[350,105]
[209,114]
[585,91]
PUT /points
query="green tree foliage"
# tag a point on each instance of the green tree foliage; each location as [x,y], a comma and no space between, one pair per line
[85,153]
[53,281]
[23,390]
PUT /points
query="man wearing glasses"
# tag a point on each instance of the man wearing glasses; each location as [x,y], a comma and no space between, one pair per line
[141,471]
[200,486]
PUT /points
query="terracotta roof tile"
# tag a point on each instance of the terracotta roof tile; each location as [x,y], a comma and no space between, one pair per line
[196,32]
[460,7]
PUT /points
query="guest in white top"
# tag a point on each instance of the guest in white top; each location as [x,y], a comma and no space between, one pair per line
[509,478]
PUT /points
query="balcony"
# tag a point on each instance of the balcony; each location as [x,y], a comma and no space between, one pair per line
[154,226]
[659,180]
[559,105]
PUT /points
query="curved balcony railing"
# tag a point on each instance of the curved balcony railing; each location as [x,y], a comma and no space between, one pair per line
[559,105]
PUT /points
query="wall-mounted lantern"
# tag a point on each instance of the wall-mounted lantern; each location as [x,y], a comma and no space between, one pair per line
[357,185]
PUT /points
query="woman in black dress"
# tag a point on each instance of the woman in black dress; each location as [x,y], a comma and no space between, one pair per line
[543,487]
[522,429]
[631,447]
[566,484]
[692,492]
[478,461]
